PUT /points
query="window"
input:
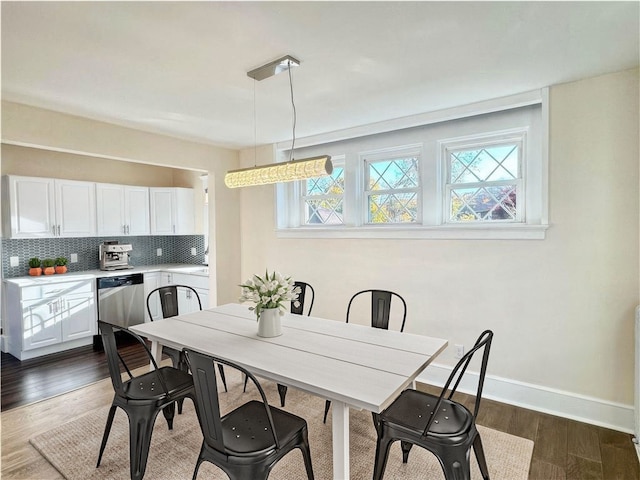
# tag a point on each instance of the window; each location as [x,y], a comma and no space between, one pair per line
[484,181]
[322,198]
[392,187]
[477,176]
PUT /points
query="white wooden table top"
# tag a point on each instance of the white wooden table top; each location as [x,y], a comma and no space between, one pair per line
[363,367]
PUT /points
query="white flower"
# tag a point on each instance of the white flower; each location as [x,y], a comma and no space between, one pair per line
[269,291]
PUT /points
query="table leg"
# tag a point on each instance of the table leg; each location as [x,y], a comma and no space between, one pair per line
[340,425]
[156,351]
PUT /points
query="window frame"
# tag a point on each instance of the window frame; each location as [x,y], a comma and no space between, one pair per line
[515,136]
[432,173]
[390,154]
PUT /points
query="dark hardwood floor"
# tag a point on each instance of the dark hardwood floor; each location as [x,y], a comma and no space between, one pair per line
[45,377]
[563,449]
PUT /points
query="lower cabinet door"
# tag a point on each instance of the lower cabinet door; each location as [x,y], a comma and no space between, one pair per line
[41,325]
[78,318]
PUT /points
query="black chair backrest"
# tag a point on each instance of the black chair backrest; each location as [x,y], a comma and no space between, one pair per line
[169,300]
[113,357]
[380,307]
[305,289]
[482,343]
[208,405]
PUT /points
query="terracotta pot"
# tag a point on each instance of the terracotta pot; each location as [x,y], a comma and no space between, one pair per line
[35,272]
[49,270]
[61,269]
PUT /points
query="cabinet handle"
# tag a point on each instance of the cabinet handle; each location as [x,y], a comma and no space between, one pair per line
[128,229]
[53,230]
[58,230]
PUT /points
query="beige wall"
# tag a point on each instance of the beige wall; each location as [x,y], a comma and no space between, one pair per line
[41,142]
[561,308]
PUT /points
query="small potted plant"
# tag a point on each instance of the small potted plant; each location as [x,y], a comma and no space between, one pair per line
[61,265]
[34,267]
[48,266]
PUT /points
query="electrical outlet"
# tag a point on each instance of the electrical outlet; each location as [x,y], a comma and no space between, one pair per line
[459,351]
[194,252]
[159,252]
[14,261]
[74,258]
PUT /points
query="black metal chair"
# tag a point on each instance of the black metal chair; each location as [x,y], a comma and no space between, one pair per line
[168,297]
[380,315]
[380,307]
[303,301]
[142,398]
[449,433]
[247,442]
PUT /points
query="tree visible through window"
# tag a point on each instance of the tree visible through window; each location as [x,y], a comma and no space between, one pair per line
[323,198]
[484,183]
[393,186]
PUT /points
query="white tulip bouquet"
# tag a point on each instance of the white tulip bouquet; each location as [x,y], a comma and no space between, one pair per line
[269,291]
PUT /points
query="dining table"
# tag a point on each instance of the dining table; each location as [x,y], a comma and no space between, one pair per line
[355,366]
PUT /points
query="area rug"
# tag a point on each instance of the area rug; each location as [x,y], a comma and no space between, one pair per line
[73,448]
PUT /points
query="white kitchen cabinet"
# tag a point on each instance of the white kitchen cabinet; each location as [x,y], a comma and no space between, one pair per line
[122,209]
[50,316]
[42,207]
[151,282]
[187,301]
[172,211]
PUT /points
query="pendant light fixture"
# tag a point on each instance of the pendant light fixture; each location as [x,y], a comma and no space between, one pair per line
[285,171]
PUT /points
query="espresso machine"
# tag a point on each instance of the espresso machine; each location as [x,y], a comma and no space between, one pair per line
[115,255]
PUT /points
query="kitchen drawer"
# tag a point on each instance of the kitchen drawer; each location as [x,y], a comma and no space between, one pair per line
[195,281]
[57,289]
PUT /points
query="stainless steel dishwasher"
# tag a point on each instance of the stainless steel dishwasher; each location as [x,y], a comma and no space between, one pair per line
[120,301]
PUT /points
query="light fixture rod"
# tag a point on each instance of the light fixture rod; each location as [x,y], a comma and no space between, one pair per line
[273,68]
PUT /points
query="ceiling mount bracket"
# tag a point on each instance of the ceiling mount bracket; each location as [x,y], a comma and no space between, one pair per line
[273,68]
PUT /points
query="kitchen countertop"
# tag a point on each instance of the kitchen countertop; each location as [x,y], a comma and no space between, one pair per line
[191,269]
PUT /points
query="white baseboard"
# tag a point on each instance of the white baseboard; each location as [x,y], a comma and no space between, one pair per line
[582,408]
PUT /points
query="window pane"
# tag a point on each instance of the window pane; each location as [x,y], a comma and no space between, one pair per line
[326,211]
[329,184]
[494,163]
[393,174]
[393,208]
[485,203]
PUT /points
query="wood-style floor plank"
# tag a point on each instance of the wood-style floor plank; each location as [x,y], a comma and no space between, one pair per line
[551,441]
[583,441]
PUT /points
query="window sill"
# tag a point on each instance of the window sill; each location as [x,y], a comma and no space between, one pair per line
[440,232]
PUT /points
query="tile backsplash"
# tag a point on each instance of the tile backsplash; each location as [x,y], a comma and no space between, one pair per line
[175,249]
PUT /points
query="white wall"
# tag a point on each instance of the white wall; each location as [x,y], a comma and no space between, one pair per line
[561,308]
[23,125]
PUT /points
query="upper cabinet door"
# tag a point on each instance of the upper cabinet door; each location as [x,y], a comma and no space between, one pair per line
[31,205]
[136,201]
[75,208]
[162,211]
[110,209]
[172,211]
[185,211]
[122,209]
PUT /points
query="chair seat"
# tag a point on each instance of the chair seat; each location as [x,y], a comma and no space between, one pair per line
[245,429]
[147,386]
[410,412]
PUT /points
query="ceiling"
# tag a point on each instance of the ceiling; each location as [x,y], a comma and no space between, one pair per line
[179,68]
